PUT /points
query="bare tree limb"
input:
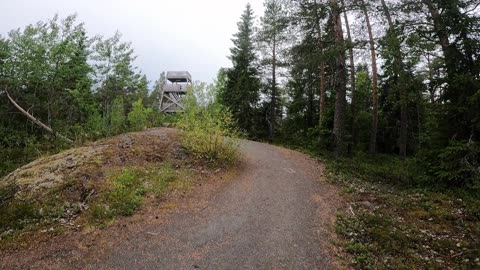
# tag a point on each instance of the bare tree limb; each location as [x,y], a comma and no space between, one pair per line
[35,120]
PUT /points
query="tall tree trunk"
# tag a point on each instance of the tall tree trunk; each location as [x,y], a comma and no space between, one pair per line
[340,84]
[322,68]
[352,75]
[374,127]
[322,92]
[403,123]
[431,88]
[399,70]
[460,117]
[274,91]
[441,32]
[387,14]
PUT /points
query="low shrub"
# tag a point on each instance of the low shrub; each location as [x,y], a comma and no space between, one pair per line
[457,165]
[209,129]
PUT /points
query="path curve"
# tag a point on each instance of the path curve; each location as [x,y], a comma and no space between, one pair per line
[277,213]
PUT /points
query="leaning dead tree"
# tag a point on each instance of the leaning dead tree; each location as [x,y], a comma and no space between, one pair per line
[35,120]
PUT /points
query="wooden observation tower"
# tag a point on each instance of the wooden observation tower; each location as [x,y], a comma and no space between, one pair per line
[173,90]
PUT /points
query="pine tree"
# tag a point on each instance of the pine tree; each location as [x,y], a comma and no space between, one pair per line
[352,73]
[455,26]
[272,37]
[373,53]
[340,82]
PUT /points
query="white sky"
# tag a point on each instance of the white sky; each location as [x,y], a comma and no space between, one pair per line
[193,35]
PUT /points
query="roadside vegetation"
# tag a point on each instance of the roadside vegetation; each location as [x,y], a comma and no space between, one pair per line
[395,220]
[91,186]
[209,129]
[66,98]
[123,192]
[397,217]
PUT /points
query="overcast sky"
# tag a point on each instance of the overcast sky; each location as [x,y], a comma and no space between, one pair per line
[167,35]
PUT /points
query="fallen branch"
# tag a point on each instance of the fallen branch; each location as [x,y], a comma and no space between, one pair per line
[351,210]
[35,120]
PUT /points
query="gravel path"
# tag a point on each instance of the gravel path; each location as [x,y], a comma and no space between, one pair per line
[277,213]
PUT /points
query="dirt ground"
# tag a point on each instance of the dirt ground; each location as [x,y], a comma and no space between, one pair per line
[273,211]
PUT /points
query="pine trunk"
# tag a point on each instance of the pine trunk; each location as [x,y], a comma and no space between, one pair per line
[340,82]
[352,75]
[322,70]
[322,92]
[274,91]
[374,127]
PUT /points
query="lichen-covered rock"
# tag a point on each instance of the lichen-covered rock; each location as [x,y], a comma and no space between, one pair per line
[49,172]
[88,163]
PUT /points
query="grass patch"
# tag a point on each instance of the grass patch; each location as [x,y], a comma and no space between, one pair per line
[20,216]
[121,194]
[124,192]
[396,222]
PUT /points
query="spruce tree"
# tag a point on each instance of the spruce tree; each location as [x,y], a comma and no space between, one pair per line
[241,92]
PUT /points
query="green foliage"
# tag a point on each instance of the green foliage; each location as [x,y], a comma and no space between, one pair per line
[240,93]
[154,97]
[81,87]
[17,215]
[139,116]
[124,192]
[95,125]
[457,165]
[379,168]
[271,40]
[117,117]
[164,119]
[209,129]
[116,73]
[403,226]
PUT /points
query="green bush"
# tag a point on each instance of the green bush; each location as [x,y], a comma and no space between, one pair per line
[158,119]
[209,129]
[95,126]
[122,197]
[117,117]
[457,165]
[138,118]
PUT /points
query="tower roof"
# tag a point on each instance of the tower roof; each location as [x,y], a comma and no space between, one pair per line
[179,76]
